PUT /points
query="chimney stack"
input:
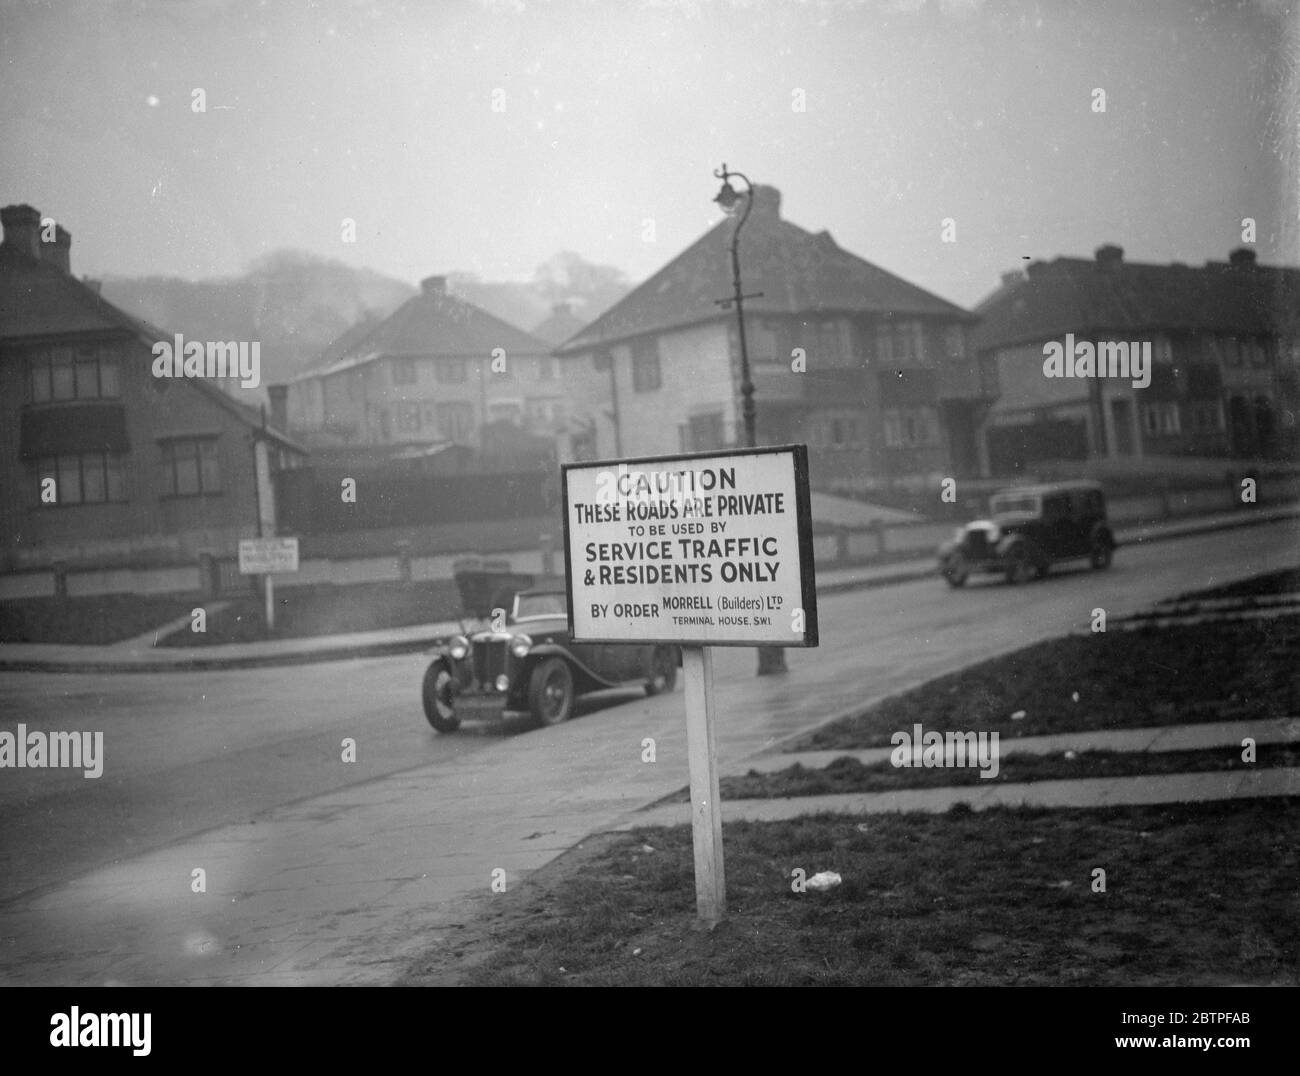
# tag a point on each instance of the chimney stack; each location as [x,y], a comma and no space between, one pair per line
[22,229]
[1242,258]
[1014,276]
[434,285]
[1109,256]
[767,201]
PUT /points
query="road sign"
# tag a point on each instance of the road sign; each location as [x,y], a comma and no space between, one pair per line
[262,556]
[702,550]
[707,549]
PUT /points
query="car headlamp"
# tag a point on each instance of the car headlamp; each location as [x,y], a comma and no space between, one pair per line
[459,647]
[520,645]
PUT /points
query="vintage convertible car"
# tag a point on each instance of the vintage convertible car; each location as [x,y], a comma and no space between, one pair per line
[531,665]
[1030,528]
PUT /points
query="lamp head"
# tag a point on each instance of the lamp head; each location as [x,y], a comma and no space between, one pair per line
[727,198]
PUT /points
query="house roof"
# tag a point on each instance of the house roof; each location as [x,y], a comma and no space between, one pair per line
[430,324]
[38,299]
[797,271]
[559,325]
[1108,294]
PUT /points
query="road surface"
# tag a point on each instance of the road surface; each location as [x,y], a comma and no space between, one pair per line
[357,864]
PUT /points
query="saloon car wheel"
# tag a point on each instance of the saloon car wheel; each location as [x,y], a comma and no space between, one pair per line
[438,692]
[1020,569]
[1101,553]
[663,672]
[956,570]
[550,692]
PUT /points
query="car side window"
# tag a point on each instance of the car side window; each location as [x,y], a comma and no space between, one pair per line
[1055,508]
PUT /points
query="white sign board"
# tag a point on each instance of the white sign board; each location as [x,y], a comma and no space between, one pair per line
[262,556]
[701,550]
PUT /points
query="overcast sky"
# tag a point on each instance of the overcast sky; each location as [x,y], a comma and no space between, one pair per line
[615,113]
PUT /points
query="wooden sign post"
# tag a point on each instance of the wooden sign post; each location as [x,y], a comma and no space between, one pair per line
[696,551]
[706,810]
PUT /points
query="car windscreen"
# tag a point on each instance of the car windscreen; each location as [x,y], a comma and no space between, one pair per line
[1014,504]
[528,606]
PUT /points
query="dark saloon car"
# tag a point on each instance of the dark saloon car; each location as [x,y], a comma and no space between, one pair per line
[1030,529]
[532,666]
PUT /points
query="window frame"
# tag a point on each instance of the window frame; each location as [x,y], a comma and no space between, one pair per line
[207,467]
[109,466]
[647,366]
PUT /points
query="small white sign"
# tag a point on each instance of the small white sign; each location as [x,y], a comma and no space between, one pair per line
[703,549]
[264,556]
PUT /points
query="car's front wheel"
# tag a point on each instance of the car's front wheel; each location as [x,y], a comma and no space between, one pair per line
[550,692]
[663,671]
[1020,569]
[438,692]
[956,570]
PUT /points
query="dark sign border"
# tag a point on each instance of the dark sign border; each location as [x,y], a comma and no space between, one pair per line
[803,525]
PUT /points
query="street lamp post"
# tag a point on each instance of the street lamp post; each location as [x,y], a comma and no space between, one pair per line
[771,659]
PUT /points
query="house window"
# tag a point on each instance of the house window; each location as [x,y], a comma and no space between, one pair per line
[1232,350]
[1162,350]
[830,344]
[65,373]
[404,372]
[954,343]
[1160,419]
[408,417]
[912,428]
[705,432]
[456,421]
[505,412]
[547,368]
[893,429]
[646,373]
[1206,417]
[189,468]
[89,478]
[452,371]
[903,342]
[1257,352]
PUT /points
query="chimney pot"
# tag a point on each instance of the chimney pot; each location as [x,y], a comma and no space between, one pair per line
[434,285]
[1110,256]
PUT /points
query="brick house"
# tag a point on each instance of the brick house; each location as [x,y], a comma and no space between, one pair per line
[1224,341]
[889,389]
[101,463]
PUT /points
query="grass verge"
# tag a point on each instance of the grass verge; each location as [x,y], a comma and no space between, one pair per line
[849,775]
[1196,894]
[1185,674]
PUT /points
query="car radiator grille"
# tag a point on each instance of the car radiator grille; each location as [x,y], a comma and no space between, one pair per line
[490,658]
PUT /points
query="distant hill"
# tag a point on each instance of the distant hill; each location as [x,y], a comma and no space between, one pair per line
[297,304]
[294,303]
[589,289]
